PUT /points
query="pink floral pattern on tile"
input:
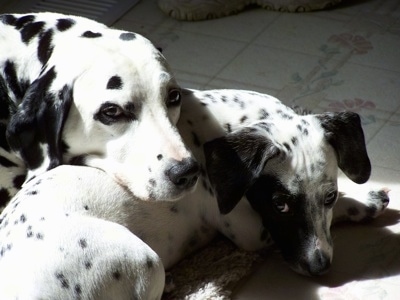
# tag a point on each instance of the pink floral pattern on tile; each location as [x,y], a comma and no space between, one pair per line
[356,43]
[354,105]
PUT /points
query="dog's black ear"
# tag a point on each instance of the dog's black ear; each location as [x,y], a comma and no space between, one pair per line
[234,162]
[344,132]
[35,130]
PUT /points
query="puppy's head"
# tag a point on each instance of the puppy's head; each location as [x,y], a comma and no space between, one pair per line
[107,101]
[288,172]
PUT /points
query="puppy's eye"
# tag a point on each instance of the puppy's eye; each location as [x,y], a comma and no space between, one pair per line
[281,205]
[112,111]
[330,198]
[174,98]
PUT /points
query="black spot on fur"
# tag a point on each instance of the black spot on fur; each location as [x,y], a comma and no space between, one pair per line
[88,265]
[149,263]
[18,181]
[228,127]
[114,83]
[91,34]
[127,36]
[116,275]
[243,119]
[153,182]
[224,98]
[159,156]
[304,122]
[86,207]
[22,218]
[287,146]
[31,30]
[45,48]
[78,290]
[23,21]
[64,24]
[63,280]
[39,236]
[82,243]
[263,114]
[29,232]
[294,140]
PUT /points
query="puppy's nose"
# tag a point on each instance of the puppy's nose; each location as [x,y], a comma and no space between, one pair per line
[184,174]
[320,264]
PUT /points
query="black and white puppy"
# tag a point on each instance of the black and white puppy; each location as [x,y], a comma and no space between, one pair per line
[74,232]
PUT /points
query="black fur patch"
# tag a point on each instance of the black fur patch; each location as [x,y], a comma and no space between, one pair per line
[18,181]
[91,34]
[64,24]
[16,87]
[114,83]
[8,19]
[31,30]
[21,22]
[45,48]
[127,36]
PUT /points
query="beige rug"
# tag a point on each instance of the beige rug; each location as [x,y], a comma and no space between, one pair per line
[211,273]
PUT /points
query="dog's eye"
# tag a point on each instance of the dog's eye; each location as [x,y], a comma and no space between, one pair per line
[174,98]
[110,113]
[281,206]
[330,198]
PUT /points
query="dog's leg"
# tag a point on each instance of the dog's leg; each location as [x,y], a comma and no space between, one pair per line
[359,203]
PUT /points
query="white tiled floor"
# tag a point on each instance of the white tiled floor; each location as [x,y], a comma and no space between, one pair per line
[345,58]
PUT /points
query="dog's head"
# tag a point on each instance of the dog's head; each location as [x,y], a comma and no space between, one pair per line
[288,172]
[109,101]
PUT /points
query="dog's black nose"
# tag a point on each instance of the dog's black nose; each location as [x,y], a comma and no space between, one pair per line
[320,264]
[184,174]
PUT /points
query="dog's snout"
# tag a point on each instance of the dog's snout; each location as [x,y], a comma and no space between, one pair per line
[320,263]
[184,174]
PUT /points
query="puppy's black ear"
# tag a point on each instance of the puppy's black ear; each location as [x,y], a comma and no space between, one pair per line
[35,130]
[344,132]
[234,162]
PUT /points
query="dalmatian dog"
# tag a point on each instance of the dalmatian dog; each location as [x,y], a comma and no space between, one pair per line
[267,175]
[73,91]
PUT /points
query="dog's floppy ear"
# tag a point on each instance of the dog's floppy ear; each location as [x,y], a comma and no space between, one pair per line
[234,162]
[35,129]
[344,132]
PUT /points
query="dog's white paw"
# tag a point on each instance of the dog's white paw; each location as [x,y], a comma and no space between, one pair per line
[378,201]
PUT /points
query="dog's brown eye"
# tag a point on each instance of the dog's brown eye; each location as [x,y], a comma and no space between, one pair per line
[112,111]
[330,198]
[174,98]
[109,113]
